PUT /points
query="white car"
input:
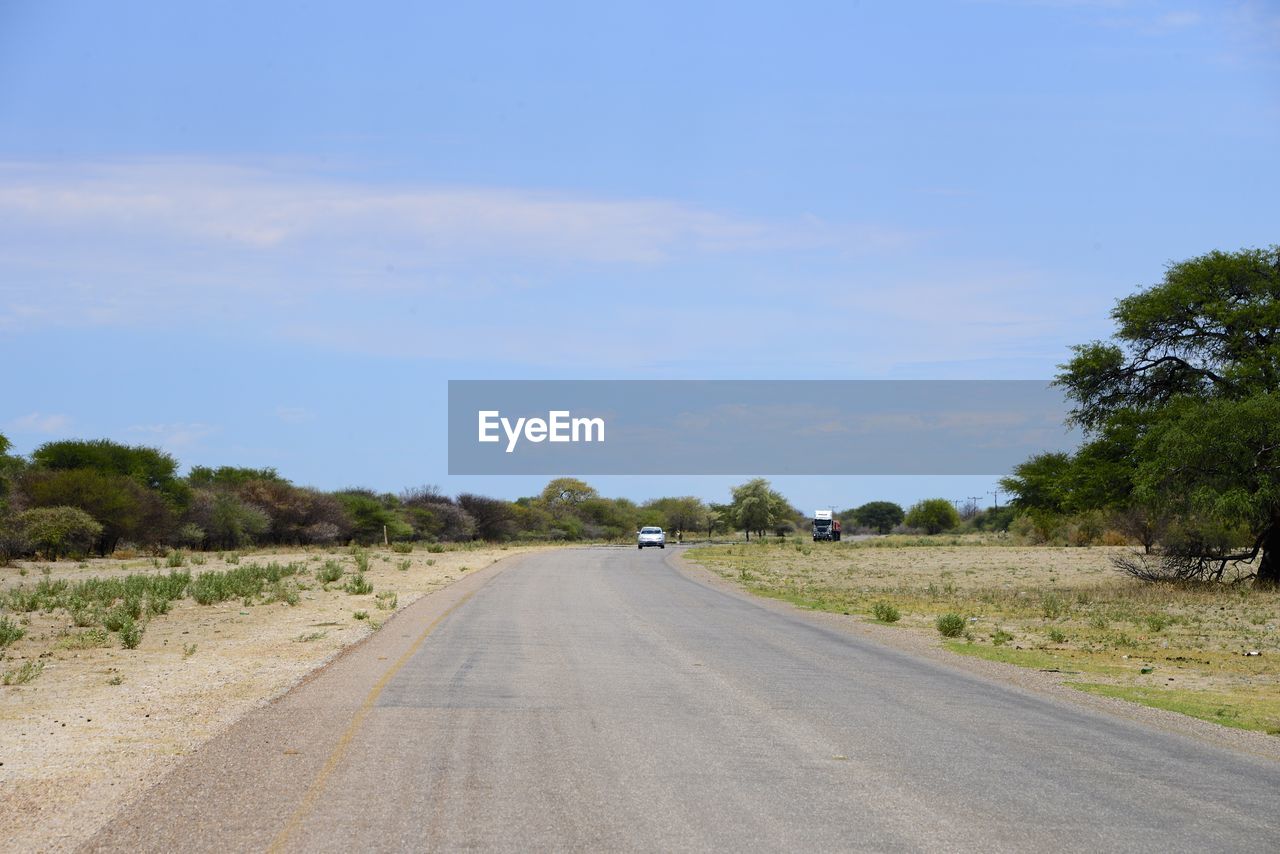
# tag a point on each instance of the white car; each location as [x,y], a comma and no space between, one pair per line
[651,537]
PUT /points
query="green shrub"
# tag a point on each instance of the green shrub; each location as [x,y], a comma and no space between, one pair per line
[361,615]
[9,632]
[402,548]
[950,625]
[1057,636]
[357,585]
[403,565]
[435,548]
[361,558]
[175,559]
[130,634]
[330,572]
[1001,637]
[116,619]
[387,600]
[885,612]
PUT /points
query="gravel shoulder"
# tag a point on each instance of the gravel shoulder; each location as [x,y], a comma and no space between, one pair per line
[99,726]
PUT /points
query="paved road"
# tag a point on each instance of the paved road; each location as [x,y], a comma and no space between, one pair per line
[600,700]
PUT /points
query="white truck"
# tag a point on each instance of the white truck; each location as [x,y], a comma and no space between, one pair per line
[825,526]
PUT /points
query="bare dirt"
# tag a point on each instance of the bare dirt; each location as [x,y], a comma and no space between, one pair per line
[97,726]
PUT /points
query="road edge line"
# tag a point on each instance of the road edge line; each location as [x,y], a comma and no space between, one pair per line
[344,741]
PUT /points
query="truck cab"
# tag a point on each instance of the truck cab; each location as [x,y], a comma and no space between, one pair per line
[825,526]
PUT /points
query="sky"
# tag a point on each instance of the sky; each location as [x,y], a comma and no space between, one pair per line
[269,234]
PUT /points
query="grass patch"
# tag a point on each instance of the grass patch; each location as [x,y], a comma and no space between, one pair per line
[24,674]
[1252,710]
[1038,659]
[87,639]
[246,582]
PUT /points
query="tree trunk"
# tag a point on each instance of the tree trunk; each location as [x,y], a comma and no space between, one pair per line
[1269,566]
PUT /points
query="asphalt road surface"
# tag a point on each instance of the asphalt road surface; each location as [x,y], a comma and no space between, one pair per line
[599,699]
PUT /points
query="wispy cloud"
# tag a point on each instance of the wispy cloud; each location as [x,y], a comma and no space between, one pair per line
[39,423]
[175,436]
[229,205]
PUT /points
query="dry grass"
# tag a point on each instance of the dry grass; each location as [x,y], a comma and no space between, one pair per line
[1173,646]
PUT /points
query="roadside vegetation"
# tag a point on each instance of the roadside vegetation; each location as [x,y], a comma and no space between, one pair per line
[51,609]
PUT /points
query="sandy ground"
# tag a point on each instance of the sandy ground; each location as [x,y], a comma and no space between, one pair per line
[98,726]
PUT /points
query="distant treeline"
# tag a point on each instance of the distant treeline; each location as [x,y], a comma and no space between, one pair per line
[79,497]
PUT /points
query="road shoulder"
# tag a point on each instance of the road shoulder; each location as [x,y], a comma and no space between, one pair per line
[1044,684]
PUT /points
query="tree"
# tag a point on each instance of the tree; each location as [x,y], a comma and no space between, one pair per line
[757,507]
[230,476]
[10,468]
[1190,379]
[1040,483]
[297,514]
[373,516]
[495,519]
[686,513]
[883,516]
[226,521]
[149,467]
[58,531]
[934,515]
[125,509]
[566,493]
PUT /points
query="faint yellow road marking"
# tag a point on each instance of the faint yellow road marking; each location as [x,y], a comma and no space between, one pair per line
[309,799]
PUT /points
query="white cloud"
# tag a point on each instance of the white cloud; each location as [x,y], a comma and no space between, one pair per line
[263,210]
[40,423]
[175,436]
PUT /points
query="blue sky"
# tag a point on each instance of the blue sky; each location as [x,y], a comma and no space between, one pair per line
[268,234]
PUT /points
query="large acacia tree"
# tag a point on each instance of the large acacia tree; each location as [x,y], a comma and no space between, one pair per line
[1182,412]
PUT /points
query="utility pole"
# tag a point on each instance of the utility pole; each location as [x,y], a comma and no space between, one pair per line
[995,493]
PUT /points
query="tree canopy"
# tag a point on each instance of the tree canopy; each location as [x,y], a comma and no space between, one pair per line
[934,515]
[883,516]
[1182,417]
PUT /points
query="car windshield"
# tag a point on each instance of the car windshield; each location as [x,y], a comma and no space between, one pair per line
[651,531]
